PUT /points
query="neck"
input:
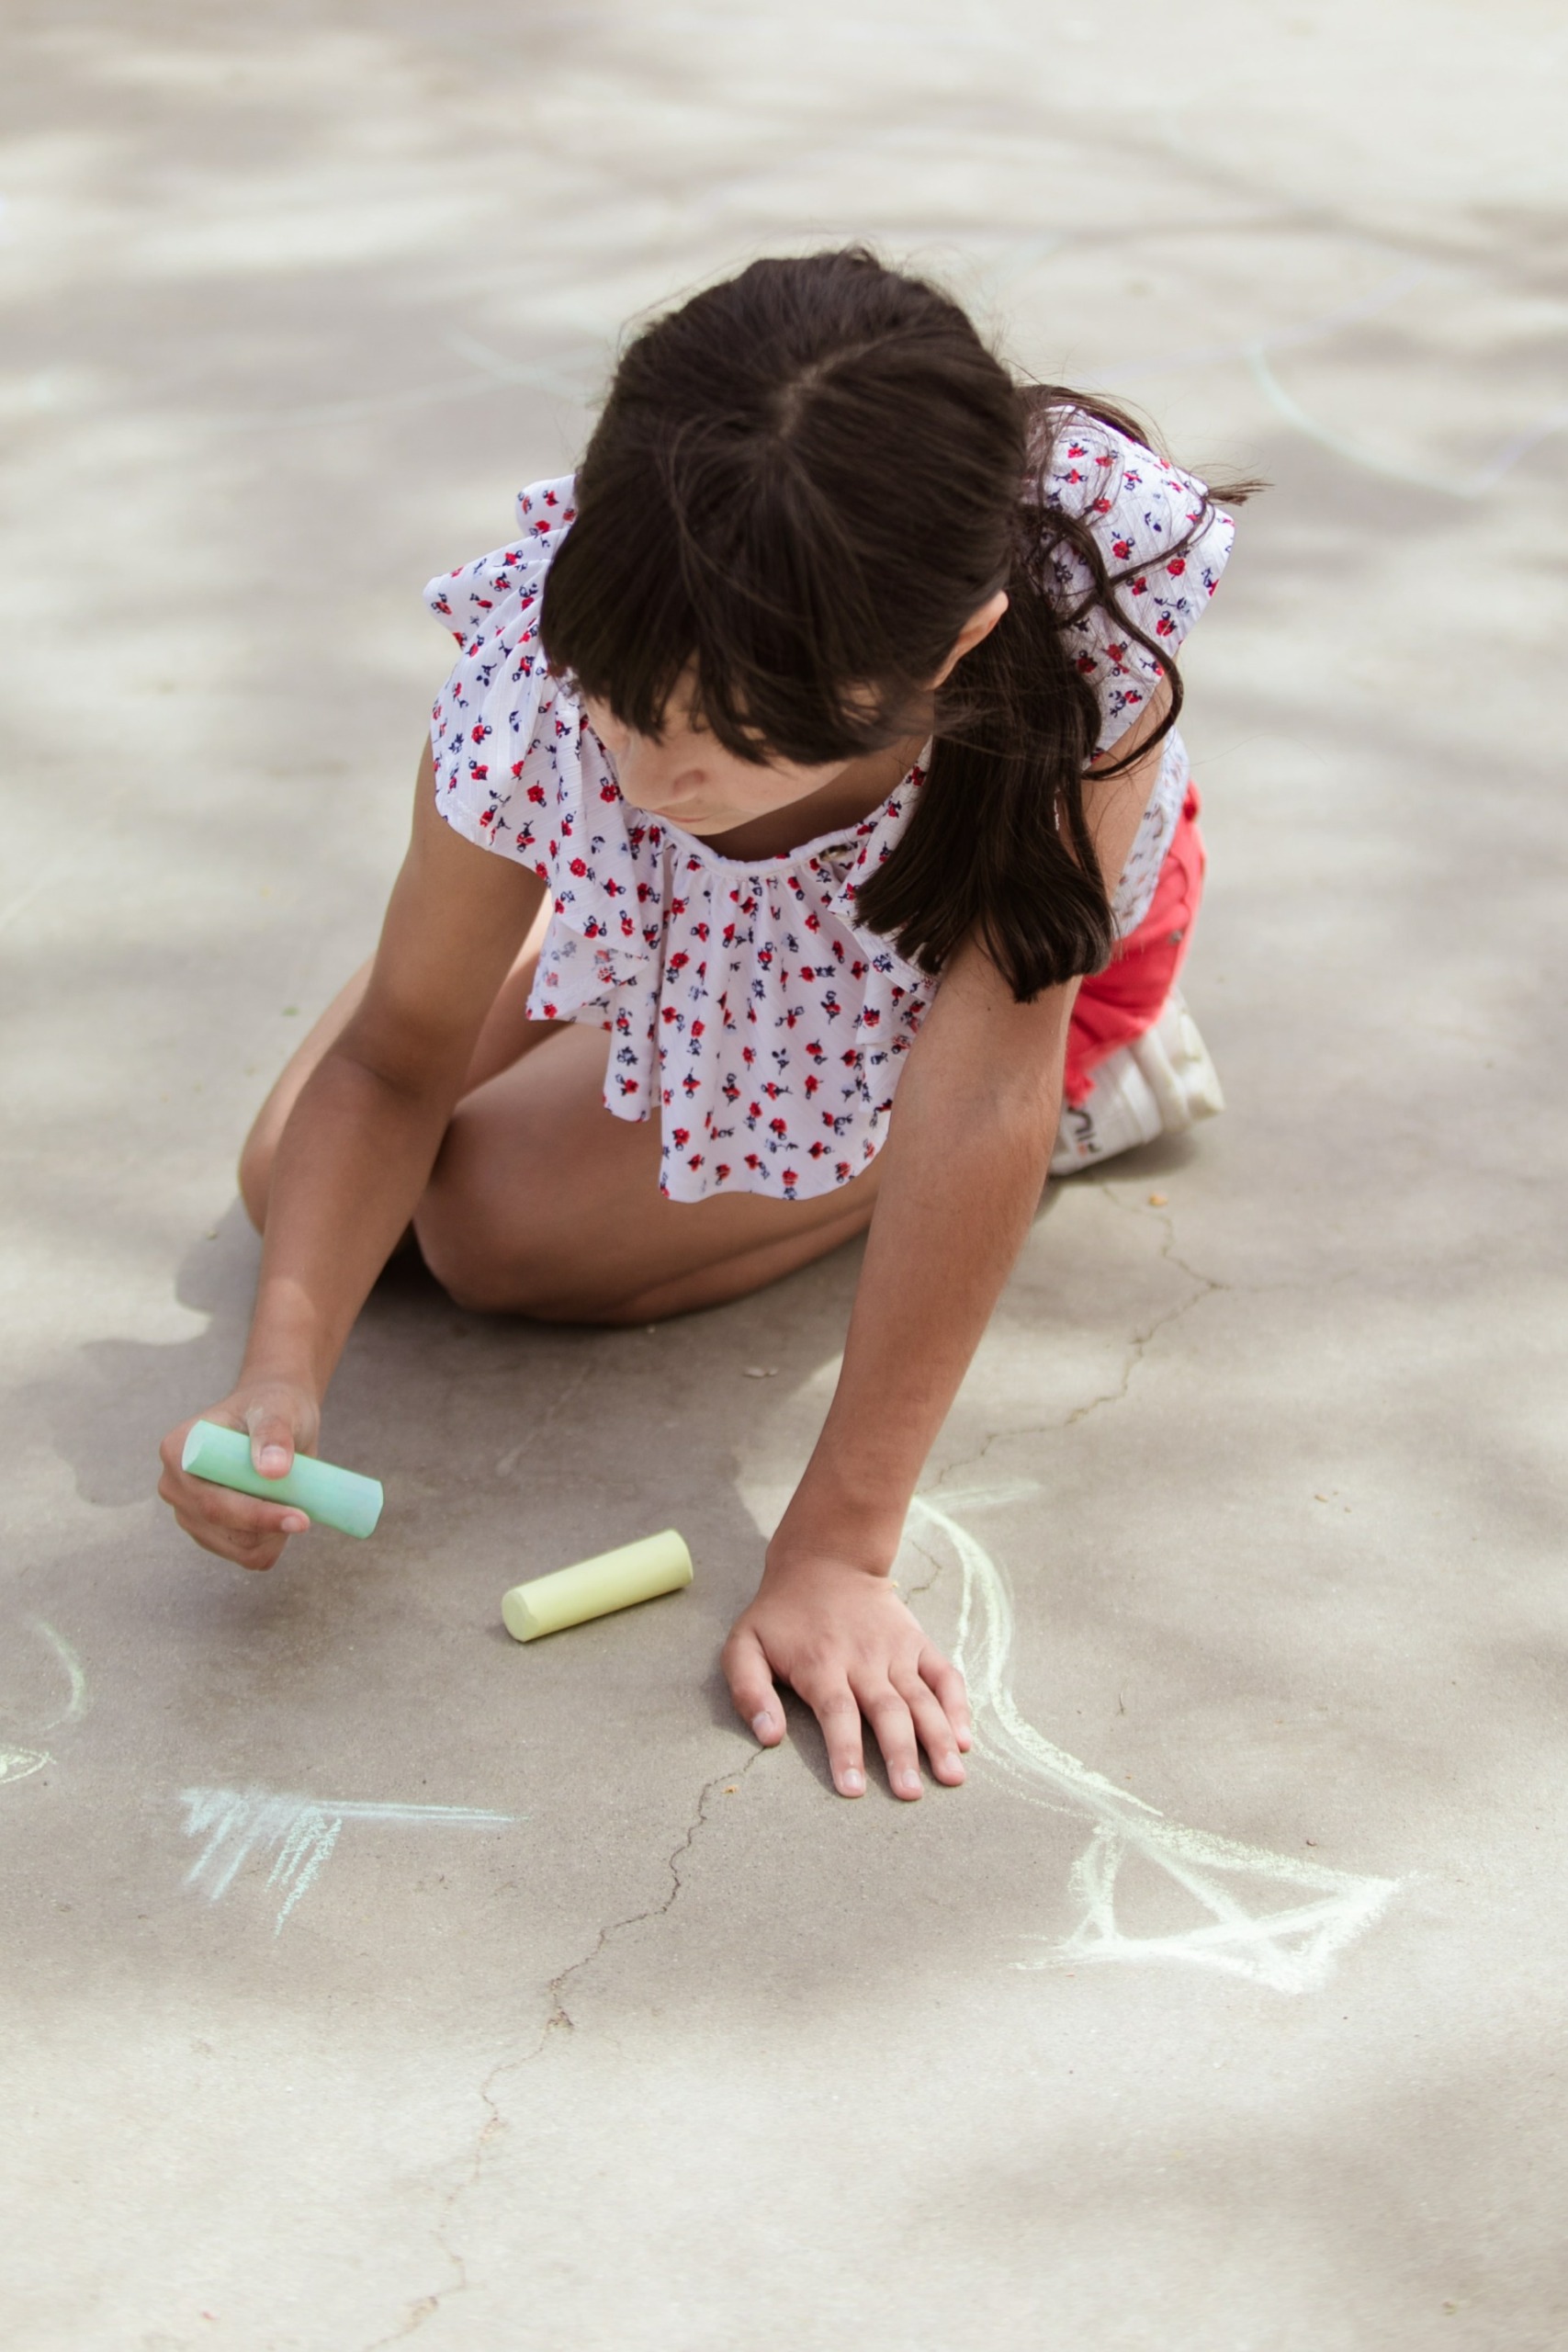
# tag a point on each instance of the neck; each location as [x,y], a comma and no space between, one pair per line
[855,793]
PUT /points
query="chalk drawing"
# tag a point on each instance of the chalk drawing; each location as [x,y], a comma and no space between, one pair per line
[1291,1947]
[77,1702]
[298,1832]
[1378,299]
[1256,354]
[1474,485]
[19,1763]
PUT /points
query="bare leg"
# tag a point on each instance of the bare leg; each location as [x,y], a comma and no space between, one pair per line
[542,1204]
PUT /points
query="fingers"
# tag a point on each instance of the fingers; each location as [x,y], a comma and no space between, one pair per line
[259,1549]
[932,1727]
[756,1702]
[235,1527]
[249,1530]
[952,1697]
[852,1653]
[751,1686]
[837,1712]
[272,1440]
[891,1718]
[922,1705]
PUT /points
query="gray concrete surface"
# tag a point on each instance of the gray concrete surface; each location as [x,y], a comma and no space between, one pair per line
[683,2052]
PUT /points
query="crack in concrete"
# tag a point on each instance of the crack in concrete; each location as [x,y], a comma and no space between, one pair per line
[1137,1347]
[559,2019]
[1140,1341]
[913,1591]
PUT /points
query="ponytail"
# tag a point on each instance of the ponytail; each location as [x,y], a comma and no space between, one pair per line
[1000,847]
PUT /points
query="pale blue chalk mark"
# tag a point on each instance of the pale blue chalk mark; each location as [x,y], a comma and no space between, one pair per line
[1465,486]
[301,1832]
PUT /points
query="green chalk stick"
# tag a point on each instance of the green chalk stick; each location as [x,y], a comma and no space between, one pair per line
[334,1498]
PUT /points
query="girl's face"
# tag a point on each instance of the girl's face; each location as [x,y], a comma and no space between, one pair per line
[687,775]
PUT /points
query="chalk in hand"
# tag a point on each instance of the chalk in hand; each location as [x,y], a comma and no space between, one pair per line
[639,1571]
[333,1497]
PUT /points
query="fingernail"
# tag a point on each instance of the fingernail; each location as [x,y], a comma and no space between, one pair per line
[906,1783]
[952,1762]
[852,1783]
[762,1725]
[293,1524]
[273,1462]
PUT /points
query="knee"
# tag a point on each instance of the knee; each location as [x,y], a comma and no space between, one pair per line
[493,1257]
[456,1255]
[485,1278]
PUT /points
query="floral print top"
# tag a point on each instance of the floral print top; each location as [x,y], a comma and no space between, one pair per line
[746,1004]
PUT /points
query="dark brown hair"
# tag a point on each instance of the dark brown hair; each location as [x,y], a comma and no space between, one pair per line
[803,483]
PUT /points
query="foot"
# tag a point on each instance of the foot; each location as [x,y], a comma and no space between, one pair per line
[1156,1086]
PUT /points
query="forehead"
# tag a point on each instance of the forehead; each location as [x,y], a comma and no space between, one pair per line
[676,717]
[681,719]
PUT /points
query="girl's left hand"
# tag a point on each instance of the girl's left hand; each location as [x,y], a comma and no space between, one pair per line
[842,1639]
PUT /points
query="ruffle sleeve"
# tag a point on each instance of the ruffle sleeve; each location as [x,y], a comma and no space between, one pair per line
[1138,507]
[502,737]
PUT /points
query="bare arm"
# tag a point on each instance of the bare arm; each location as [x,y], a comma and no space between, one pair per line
[970,1146]
[356,1155]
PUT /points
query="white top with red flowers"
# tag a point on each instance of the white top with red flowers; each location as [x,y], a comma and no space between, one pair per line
[745,1001]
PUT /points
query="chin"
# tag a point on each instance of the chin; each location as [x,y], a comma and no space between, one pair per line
[694,818]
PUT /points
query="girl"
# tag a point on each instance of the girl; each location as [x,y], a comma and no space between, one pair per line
[803,756]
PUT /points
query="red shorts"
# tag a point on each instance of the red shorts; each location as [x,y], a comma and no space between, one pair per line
[1128,997]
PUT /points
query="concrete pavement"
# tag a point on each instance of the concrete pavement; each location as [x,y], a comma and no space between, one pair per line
[372,1979]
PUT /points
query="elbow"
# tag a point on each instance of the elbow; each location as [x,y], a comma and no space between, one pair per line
[1029,1120]
[1025,1107]
[1011,1130]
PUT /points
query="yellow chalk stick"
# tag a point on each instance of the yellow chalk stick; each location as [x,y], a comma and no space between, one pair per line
[639,1571]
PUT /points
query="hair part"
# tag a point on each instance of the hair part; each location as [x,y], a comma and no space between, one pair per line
[804,482]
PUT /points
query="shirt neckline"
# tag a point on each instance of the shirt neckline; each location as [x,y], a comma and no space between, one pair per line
[839,837]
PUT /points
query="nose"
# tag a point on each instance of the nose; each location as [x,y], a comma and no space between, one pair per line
[649,774]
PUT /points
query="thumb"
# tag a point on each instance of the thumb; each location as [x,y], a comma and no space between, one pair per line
[752,1687]
[271,1438]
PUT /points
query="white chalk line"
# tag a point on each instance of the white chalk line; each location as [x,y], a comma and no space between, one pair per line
[1472,486]
[1317,328]
[1253,353]
[20,1763]
[77,1702]
[1290,1950]
[303,1831]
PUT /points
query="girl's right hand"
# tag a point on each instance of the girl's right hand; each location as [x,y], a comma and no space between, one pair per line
[282,1420]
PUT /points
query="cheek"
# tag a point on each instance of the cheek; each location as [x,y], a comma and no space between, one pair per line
[755,790]
[614,739]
